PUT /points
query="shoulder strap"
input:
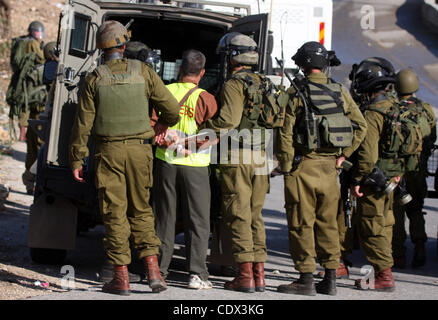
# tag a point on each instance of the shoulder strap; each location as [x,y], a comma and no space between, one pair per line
[188,94]
[103,71]
[134,66]
[329,92]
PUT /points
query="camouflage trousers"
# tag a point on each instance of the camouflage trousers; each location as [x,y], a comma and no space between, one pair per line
[312,194]
[244,190]
[375,222]
[416,186]
[123,179]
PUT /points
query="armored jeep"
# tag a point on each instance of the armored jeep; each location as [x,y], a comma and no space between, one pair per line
[62,207]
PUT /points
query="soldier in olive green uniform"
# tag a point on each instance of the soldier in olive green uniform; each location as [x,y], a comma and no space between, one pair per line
[416,184]
[309,154]
[243,189]
[33,143]
[114,102]
[372,78]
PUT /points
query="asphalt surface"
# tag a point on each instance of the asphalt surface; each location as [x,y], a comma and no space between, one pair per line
[400,37]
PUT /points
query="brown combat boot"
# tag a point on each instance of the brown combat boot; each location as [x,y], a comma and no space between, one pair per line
[383,281]
[120,283]
[341,272]
[419,258]
[259,276]
[244,281]
[304,286]
[155,280]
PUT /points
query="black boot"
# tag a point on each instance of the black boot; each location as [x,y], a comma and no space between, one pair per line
[328,284]
[304,285]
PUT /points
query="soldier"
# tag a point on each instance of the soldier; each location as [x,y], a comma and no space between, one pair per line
[406,85]
[183,179]
[33,42]
[323,126]
[243,190]
[33,142]
[373,78]
[123,157]
[26,54]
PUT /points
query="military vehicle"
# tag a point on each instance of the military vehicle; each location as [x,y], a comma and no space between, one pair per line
[63,207]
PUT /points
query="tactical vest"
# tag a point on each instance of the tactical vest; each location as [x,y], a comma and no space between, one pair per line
[401,141]
[122,108]
[185,127]
[324,124]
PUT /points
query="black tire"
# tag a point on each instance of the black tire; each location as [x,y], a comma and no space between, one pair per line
[48,256]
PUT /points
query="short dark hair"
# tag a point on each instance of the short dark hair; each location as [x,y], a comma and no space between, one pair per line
[193,61]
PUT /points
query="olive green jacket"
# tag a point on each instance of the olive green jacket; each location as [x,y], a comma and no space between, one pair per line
[287,148]
[155,91]
[231,103]
[35,46]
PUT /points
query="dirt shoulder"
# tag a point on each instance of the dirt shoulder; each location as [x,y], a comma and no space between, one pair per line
[20,277]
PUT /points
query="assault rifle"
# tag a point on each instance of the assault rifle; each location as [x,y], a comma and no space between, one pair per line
[346,193]
[298,82]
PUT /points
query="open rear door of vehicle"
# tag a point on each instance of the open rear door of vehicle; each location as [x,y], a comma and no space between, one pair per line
[78,55]
[255,26]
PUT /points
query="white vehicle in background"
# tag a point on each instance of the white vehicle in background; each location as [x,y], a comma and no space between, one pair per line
[292,23]
[62,207]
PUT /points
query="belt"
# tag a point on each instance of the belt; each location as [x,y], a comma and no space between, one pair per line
[137,141]
[130,141]
[321,158]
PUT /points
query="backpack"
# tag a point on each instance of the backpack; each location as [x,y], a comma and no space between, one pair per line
[324,124]
[266,102]
[404,130]
[17,52]
[26,86]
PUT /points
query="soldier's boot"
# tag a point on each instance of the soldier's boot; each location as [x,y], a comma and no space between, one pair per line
[328,284]
[107,273]
[341,273]
[244,281]
[383,281]
[419,258]
[28,179]
[155,280]
[304,286]
[120,282]
[259,276]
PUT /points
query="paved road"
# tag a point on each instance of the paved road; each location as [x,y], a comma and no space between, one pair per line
[399,37]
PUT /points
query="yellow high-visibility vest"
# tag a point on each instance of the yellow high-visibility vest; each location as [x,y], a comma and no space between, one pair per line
[185,127]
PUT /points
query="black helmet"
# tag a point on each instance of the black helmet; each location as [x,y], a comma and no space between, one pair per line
[313,54]
[240,48]
[372,74]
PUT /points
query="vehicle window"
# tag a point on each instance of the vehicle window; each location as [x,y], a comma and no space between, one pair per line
[79,36]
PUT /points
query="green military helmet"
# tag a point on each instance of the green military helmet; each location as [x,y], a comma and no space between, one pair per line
[239,47]
[111,34]
[406,82]
[35,26]
[50,51]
